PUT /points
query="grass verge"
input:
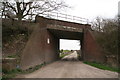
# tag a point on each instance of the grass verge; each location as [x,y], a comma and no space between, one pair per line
[63,55]
[102,66]
[14,72]
[66,51]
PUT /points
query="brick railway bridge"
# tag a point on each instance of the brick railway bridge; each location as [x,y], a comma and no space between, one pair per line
[43,44]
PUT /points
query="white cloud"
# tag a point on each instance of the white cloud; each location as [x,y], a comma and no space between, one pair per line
[89,9]
[69,44]
[93,8]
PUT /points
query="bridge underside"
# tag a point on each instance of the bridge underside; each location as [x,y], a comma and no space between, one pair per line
[66,34]
[43,45]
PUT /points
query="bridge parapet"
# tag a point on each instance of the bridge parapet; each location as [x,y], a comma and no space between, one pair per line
[62,23]
[65,17]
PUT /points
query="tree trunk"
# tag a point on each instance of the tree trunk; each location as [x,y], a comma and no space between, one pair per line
[19,21]
[20,18]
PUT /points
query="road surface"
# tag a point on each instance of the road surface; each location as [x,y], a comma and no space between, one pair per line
[70,69]
[71,57]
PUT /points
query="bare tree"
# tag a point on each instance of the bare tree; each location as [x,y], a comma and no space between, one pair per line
[21,10]
[107,36]
[98,24]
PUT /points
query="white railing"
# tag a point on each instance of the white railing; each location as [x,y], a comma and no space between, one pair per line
[65,17]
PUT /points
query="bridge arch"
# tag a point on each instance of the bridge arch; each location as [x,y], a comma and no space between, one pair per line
[43,45]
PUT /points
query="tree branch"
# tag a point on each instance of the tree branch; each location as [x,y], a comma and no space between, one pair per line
[10,6]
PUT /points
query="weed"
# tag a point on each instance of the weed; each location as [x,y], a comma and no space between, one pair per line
[63,55]
[14,72]
[103,66]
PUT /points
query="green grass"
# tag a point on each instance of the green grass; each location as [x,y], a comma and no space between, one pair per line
[63,55]
[102,66]
[13,56]
[62,51]
[10,74]
[32,69]
[14,72]
[66,51]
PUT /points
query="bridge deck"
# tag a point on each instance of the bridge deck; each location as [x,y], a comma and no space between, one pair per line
[64,28]
[65,32]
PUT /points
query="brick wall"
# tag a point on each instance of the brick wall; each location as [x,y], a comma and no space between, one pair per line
[37,50]
[91,50]
[43,46]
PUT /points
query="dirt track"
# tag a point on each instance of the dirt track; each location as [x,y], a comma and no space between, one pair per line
[70,69]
